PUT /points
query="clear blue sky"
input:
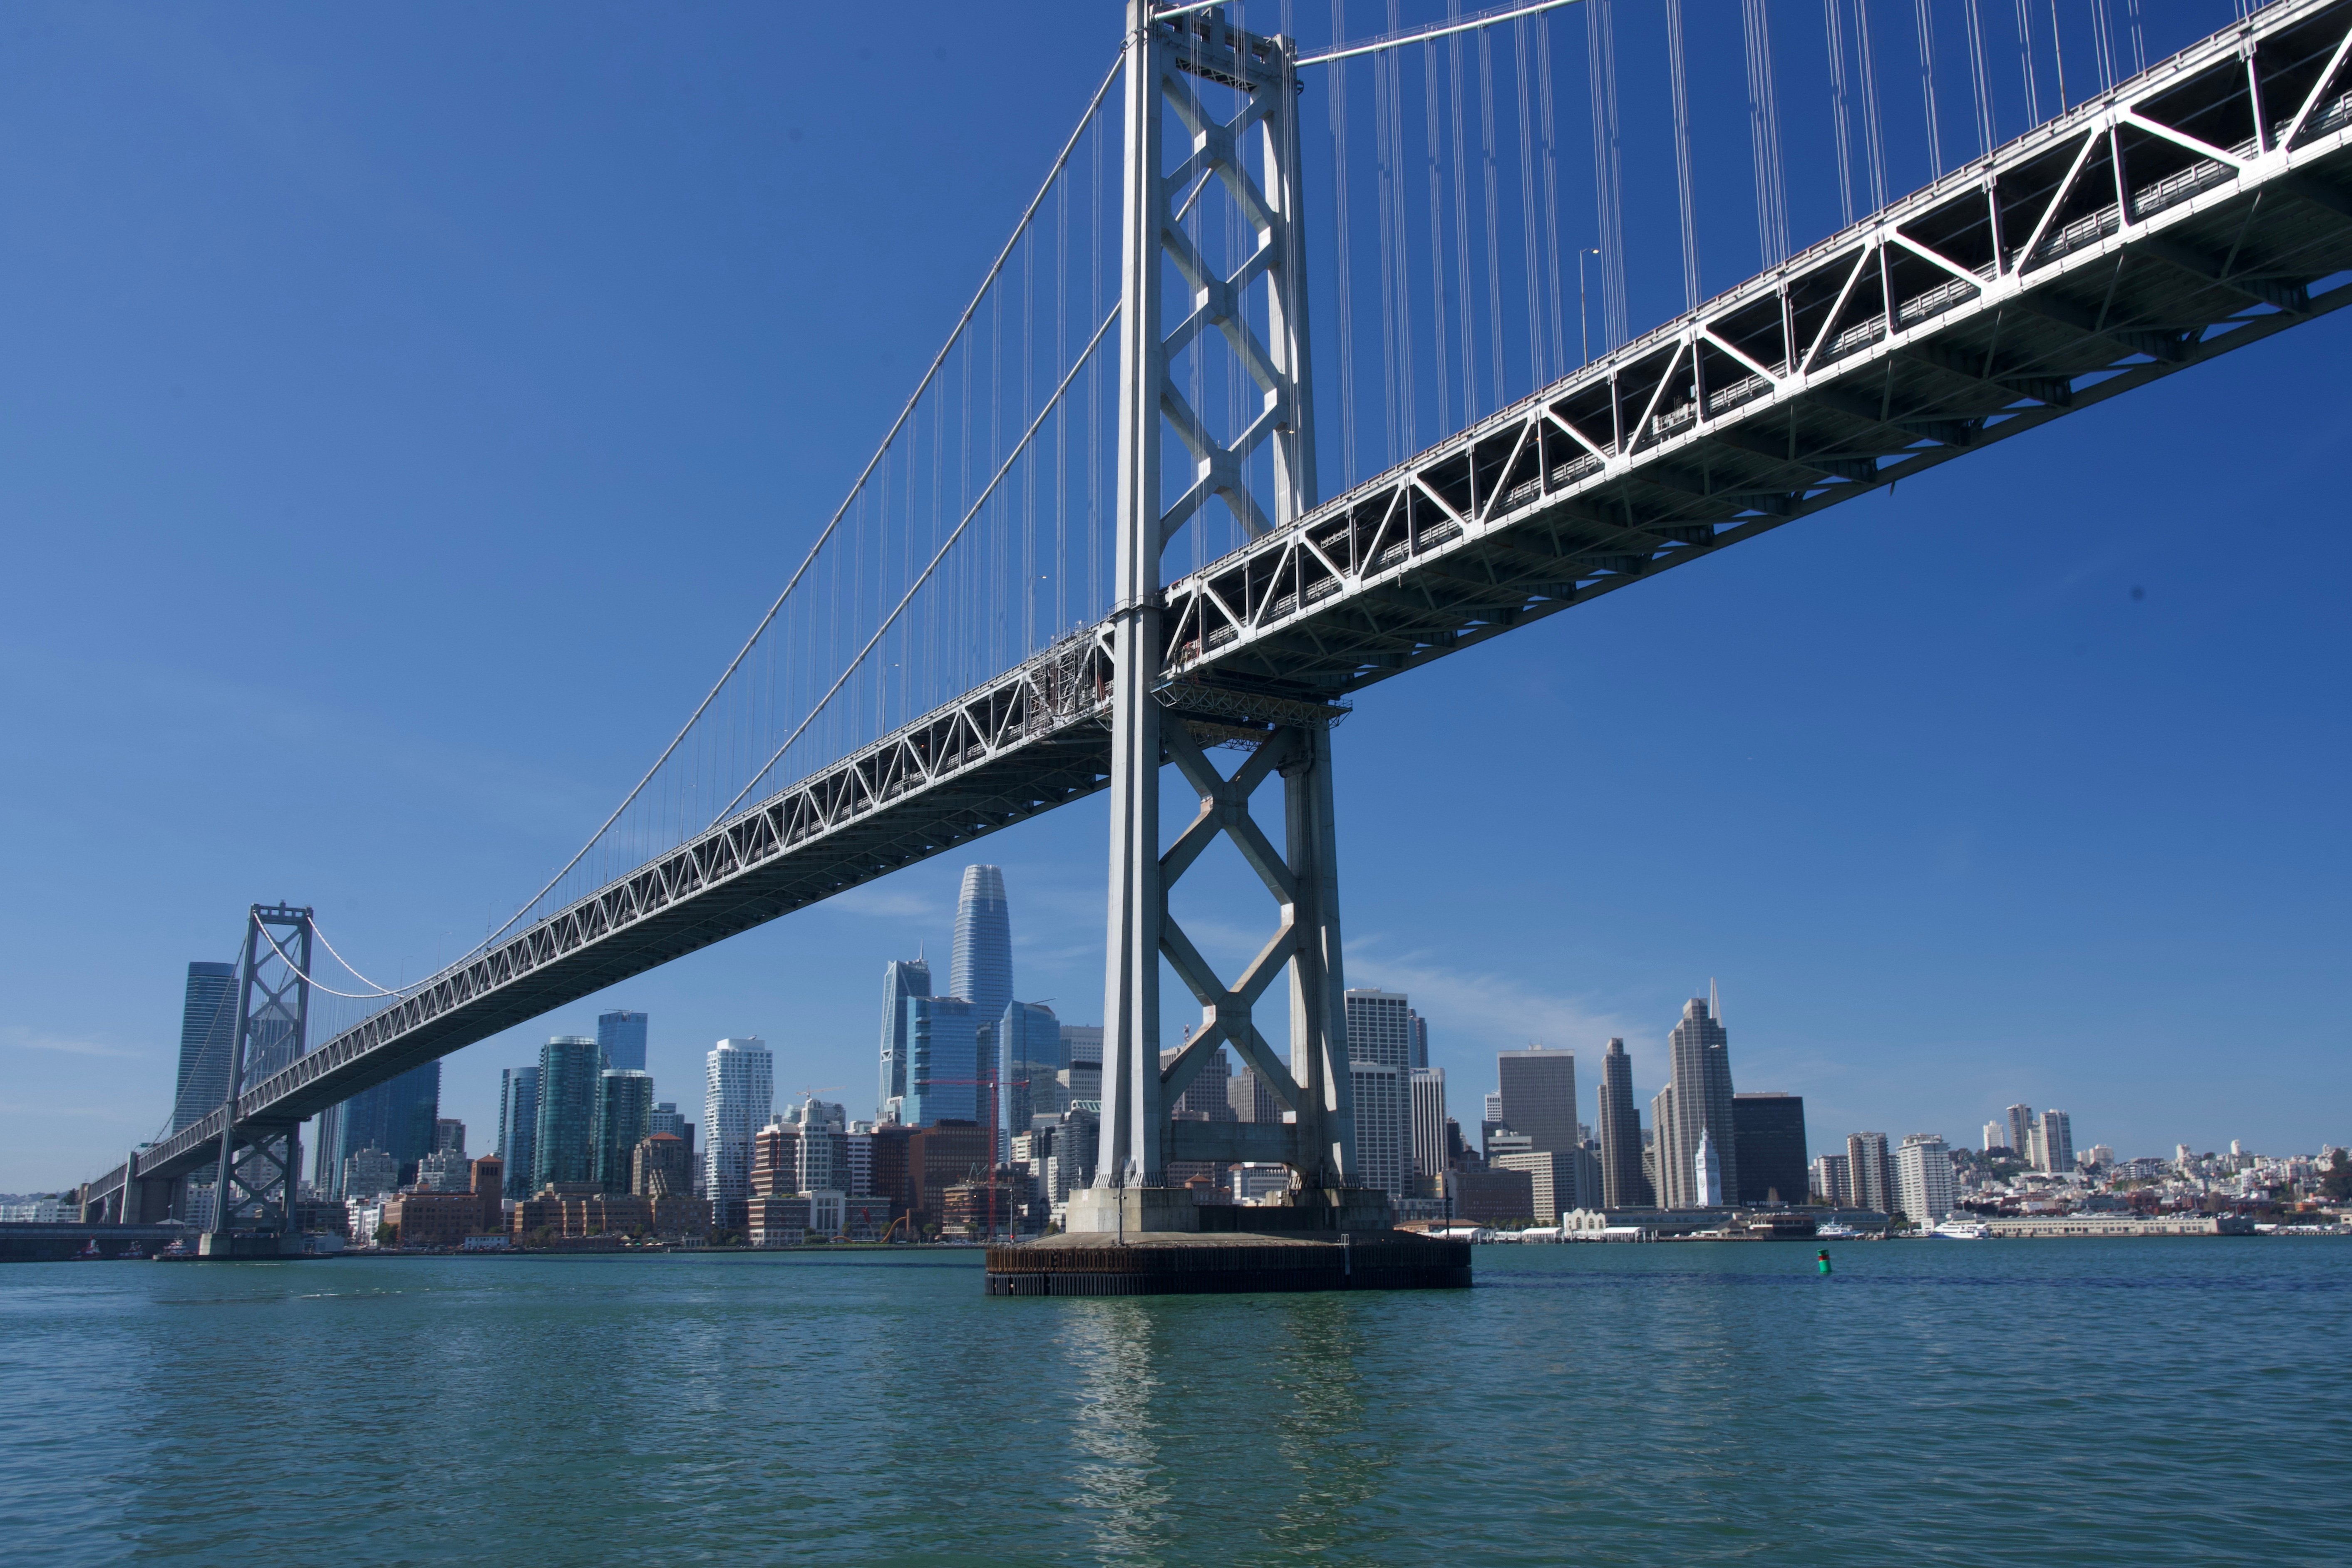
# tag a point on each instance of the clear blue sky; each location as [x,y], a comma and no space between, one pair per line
[405,413]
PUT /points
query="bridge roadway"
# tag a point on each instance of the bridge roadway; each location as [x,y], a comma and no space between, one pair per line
[2201,207]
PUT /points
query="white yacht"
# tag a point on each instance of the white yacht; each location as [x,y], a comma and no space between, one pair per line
[1958,1229]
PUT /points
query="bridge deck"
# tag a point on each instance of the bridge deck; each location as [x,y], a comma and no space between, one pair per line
[2138,234]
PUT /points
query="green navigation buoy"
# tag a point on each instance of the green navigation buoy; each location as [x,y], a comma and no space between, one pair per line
[1824,1260]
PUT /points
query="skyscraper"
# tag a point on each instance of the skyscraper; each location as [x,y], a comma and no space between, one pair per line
[1922,1174]
[943,1062]
[1428,1124]
[622,1037]
[900,980]
[666,1119]
[1622,1185]
[1830,1182]
[737,1101]
[1768,1131]
[1696,1102]
[1028,1070]
[1420,1042]
[1869,1174]
[981,970]
[1379,1047]
[624,1114]
[398,1117]
[518,1127]
[563,1150]
[207,1024]
[1993,1136]
[2020,1130]
[2057,1141]
[1538,1090]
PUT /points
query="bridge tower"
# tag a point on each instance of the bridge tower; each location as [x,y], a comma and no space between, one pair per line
[1257,314]
[256,1184]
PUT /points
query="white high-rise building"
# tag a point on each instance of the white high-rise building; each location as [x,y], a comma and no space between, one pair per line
[1379,1054]
[738,1098]
[1994,1136]
[1923,1178]
[1494,1108]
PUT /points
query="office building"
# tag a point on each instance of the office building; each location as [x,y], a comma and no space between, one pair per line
[661,1165]
[1695,1103]
[207,1028]
[1831,1183]
[1420,1043]
[364,1173]
[1870,1175]
[667,1118]
[1493,1107]
[1028,1070]
[900,980]
[1995,1137]
[939,1157]
[1768,1131]
[1539,1090]
[1428,1117]
[738,1099]
[518,1127]
[445,1171]
[398,1117]
[1922,1176]
[2056,1143]
[1498,1195]
[2020,1129]
[981,969]
[1082,1049]
[1209,1097]
[1380,1051]
[563,1151]
[1553,1185]
[624,1116]
[1251,1098]
[1383,1159]
[622,1037]
[1622,1184]
[943,1062]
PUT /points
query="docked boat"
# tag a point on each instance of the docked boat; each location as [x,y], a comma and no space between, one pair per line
[1961,1230]
[1836,1230]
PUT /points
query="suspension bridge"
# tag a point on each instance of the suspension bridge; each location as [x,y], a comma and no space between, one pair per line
[993,624]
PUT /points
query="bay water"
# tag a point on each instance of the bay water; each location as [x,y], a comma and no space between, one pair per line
[2113,1402]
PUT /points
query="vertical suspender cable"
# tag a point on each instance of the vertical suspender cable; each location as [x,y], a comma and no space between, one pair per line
[2102,43]
[1928,84]
[1764,137]
[1341,250]
[1432,158]
[2025,64]
[1494,197]
[1872,137]
[1841,108]
[1535,375]
[2058,56]
[1383,66]
[1462,284]
[1608,166]
[1550,191]
[1400,239]
[2139,39]
[1977,81]
[1679,74]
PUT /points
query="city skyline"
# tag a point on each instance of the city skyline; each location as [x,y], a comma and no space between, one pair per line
[1967,843]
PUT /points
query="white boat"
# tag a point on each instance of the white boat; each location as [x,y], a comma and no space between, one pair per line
[1961,1230]
[1835,1230]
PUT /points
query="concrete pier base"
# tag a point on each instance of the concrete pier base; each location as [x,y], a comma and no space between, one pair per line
[1177,1263]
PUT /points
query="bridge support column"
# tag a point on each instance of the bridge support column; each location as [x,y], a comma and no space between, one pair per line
[1230,99]
[273,1011]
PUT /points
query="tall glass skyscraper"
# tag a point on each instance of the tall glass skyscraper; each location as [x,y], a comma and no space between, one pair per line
[565,1147]
[900,980]
[207,1020]
[518,1127]
[1028,1070]
[624,1114]
[740,1093]
[982,973]
[397,1118]
[942,1061]
[622,1037]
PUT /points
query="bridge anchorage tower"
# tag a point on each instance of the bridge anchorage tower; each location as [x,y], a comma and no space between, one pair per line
[254,1185]
[1257,313]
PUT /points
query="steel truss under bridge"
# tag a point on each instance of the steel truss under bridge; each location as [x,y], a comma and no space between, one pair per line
[2200,207]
